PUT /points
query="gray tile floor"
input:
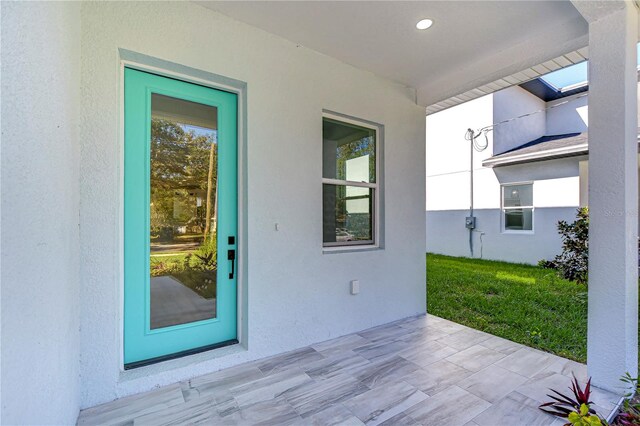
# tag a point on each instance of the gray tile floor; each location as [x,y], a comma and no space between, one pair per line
[422,370]
[174,303]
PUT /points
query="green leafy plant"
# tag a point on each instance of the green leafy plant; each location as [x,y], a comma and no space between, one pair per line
[206,257]
[573,263]
[535,335]
[583,417]
[632,382]
[547,264]
[630,411]
[160,268]
[576,408]
[196,270]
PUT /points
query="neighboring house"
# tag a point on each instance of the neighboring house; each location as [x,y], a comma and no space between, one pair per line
[532,173]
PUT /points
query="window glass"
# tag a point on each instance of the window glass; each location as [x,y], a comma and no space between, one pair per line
[347,214]
[349,183]
[349,152]
[518,219]
[517,207]
[518,195]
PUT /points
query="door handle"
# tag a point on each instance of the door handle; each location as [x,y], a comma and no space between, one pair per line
[231,255]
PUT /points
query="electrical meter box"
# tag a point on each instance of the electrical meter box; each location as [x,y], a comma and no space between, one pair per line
[470,222]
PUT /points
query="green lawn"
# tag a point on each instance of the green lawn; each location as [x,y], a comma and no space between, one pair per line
[522,303]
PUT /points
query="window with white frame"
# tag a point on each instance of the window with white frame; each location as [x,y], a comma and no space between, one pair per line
[350,184]
[517,207]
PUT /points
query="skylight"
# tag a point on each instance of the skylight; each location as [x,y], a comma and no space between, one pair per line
[567,77]
[572,76]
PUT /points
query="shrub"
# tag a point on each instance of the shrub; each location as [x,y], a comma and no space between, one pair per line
[630,411]
[573,263]
[160,268]
[196,270]
[547,264]
[206,257]
[583,418]
[574,407]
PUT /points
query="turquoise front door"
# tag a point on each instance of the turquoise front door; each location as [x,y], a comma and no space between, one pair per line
[180,218]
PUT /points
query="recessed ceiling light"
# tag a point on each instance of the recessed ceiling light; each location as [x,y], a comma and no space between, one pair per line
[424,24]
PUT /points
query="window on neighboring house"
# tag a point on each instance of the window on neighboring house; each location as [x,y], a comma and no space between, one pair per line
[517,207]
[350,182]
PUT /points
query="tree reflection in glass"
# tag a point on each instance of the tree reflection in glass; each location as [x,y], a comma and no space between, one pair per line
[183,211]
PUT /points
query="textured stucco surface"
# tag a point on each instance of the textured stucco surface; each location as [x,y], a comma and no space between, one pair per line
[514,102]
[612,341]
[446,234]
[297,294]
[556,196]
[568,115]
[40,204]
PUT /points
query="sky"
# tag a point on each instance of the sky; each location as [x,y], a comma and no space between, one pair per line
[571,75]
[199,131]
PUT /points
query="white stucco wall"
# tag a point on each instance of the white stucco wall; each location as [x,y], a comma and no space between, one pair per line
[297,294]
[40,204]
[446,234]
[584,182]
[548,170]
[448,157]
[514,102]
[568,115]
[556,195]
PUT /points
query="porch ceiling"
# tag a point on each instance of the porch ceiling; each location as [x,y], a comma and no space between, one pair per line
[519,77]
[472,44]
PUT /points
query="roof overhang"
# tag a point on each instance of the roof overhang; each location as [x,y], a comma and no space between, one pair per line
[552,154]
[572,145]
[520,77]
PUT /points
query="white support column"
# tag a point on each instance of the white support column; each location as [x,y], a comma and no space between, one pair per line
[612,347]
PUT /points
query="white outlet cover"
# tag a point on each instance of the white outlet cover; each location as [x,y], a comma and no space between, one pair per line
[355,287]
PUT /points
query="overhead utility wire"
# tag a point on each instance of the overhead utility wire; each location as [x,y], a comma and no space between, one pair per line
[473,137]
[491,126]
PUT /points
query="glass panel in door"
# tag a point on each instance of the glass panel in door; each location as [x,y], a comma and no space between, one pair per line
[183,255]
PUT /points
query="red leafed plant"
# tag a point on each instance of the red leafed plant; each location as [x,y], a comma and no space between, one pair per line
[562,405]
[628,418]
[630,411]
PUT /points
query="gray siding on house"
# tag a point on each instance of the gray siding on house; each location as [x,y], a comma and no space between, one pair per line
[446,234]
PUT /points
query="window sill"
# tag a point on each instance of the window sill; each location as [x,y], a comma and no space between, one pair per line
[350,249]
[519,232]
